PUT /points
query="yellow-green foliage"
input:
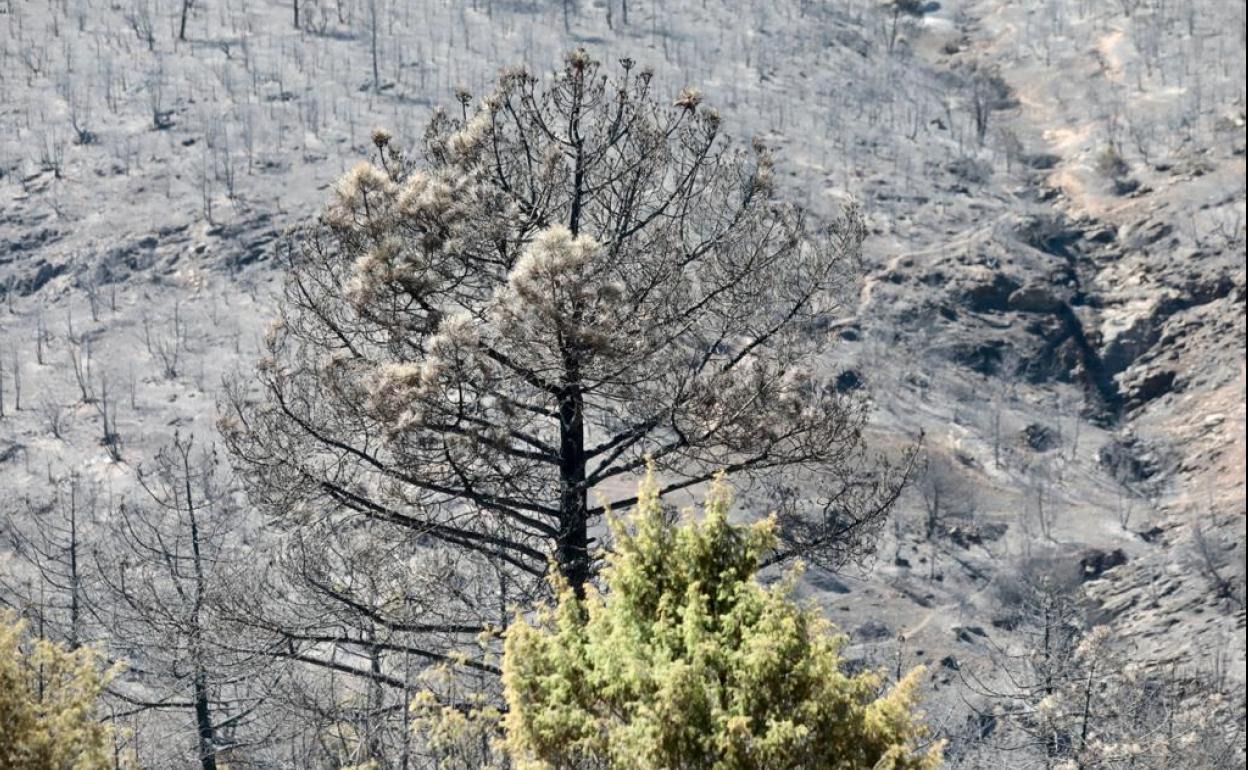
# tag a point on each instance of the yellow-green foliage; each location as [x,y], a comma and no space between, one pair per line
[457,724]
[686,661]
[48,701]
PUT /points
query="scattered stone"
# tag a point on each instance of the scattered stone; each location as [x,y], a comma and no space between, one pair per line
[968,634]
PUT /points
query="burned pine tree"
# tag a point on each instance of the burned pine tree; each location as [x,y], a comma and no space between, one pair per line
[165,573]
[51,580]
[477,351]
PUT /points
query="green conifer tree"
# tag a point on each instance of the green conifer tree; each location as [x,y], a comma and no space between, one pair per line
[686,661]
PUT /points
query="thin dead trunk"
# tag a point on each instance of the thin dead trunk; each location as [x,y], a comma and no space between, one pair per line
[203,711]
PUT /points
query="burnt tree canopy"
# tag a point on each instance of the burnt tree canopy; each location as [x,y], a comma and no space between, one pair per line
[476,348]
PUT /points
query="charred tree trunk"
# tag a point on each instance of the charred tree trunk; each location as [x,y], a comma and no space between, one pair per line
[75,581]
[203,710]
[203,723]
[572,550]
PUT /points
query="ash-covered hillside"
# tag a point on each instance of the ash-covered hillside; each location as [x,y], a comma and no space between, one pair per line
[1052,298]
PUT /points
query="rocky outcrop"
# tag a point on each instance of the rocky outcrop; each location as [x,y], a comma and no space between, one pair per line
[990,295]
[1094,562]
[1035,299]
[1147,383]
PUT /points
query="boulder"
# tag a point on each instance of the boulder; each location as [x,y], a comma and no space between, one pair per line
[1148,384]
[1034,299]
[1128,459]
[992,295]
[969,634]
[1040,438]
[1094,562]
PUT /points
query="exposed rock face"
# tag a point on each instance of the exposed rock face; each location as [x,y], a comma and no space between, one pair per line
[33,280]
[1131,290]
[1128,459]
[1127,332]
[1145,384]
